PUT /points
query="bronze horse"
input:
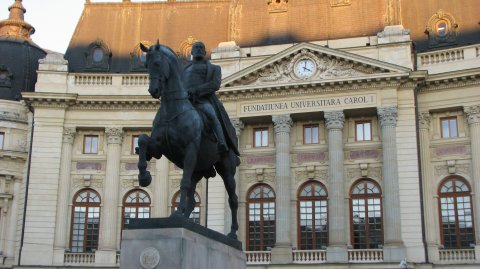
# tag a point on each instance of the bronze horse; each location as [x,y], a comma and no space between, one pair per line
[179,133]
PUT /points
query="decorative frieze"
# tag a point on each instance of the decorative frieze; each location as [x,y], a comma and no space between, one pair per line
[304,175]
[473,114]
[114,135]
[334,119]
[307,157]
[387,116]
[89,166]
[282,123]
[444,170]
[363,154]
[87,181]
[451,150]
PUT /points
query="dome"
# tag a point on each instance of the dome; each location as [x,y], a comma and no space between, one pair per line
[20,55]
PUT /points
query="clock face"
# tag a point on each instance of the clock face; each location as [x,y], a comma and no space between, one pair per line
[305,68]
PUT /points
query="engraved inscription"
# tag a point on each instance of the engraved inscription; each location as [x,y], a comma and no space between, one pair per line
[454,150]
[310,157]
[89,166]
[363,154]
[270,159]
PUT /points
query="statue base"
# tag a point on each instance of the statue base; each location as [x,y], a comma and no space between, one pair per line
[167,243]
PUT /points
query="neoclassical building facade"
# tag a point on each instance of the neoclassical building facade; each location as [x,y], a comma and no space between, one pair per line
[356,151]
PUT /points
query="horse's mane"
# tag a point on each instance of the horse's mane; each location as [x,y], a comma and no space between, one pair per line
[170,54]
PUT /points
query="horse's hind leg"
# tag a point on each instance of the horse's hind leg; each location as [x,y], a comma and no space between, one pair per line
[144,177]
[227,168]
[191,195]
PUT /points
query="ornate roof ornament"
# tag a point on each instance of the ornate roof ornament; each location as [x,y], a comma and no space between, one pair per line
[15,26]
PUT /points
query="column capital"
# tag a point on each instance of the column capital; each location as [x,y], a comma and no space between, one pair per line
[69,135]
[334,119]
[114,135]
[424,120]
[388,116]
[282,123]
[238,125]
[472,113]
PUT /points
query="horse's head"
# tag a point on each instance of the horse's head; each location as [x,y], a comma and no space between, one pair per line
[158,68]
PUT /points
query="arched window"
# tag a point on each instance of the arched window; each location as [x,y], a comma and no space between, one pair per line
[366,215]
[312,216]
[195,215]
[261,218]
[136,205]
[456,222]
[85,221]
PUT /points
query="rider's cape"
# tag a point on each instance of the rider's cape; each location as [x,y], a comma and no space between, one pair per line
[207,90]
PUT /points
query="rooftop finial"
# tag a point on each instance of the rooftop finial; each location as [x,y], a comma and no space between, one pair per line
[16,11]
[15,26]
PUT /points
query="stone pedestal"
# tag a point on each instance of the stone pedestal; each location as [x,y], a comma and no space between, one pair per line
[337,254]
[177,244]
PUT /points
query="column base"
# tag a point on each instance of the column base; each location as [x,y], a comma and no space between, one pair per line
[282,254]
[433,256]
[58,256]
[394,252]
[337,254]
[106,257]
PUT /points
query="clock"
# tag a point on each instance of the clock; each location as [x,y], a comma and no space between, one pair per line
[305,68]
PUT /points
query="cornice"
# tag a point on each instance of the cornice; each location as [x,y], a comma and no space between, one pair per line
[455,79]
[90,102]
[314,87]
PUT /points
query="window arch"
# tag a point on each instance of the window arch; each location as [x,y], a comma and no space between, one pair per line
[98,56]
[261,218]
[366,215]
[136,205]
[85,221]
[195,215]
[456,214]
[312,216]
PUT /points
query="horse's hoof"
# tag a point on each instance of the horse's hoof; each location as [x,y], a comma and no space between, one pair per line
[233,235]
[144,179]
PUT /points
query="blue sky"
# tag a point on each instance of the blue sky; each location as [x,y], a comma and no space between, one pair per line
[54,20]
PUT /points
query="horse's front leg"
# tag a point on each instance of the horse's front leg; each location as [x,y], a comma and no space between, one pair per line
[186,184]
[144,177]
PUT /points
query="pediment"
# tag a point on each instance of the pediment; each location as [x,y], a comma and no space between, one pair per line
[329,64]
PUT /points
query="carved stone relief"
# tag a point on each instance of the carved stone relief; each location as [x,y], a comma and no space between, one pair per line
[328,67]
[87,181]
[252,178]
[304,175]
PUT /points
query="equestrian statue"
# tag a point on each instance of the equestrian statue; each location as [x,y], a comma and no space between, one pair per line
[191,127]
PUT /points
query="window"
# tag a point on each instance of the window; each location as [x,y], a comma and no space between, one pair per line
[98,56]
[363,131]
[90,144]
[449,127]
[2,140]
[136,205]
[134,143]
[260,137]
[312,216]
[195,215]
[456,221]
[441,28]
[261,218]
[366,212]
[85,221]
[310,134]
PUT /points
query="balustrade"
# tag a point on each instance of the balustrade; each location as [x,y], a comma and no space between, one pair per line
[309,256]
[79,259]
[258,257]
[365,255]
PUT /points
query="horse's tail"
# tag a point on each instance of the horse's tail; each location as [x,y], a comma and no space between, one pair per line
[237,159]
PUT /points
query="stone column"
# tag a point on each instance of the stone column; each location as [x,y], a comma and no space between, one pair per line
[161,186]
[429,188]
[337,233]
[393,249]
[63,197]
[238,125]
[106,254]
[9,251]
[473,119]
[282,252]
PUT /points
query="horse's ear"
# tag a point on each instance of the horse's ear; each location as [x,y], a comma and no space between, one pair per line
[143,48]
